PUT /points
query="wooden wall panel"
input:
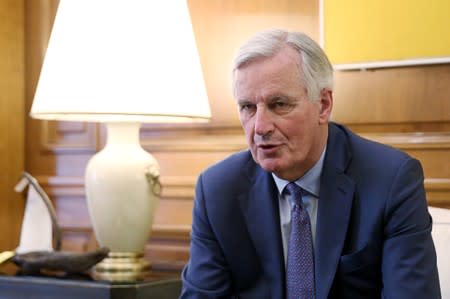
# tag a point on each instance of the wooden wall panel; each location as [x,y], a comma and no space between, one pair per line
[407,108]
[12,120]
[68,137]
[398,95]
[169,243]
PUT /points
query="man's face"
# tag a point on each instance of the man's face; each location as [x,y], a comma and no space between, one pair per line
[285,131]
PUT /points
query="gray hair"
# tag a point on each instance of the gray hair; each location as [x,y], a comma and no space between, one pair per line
[316,69]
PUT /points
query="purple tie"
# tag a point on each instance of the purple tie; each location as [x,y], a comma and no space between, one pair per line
[300,259]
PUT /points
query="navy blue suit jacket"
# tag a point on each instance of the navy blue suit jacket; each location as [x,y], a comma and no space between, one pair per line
[373,234]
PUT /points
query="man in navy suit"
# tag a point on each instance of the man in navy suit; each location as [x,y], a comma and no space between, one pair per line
[368,217]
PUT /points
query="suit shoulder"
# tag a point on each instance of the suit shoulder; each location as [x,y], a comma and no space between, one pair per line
[222,181]
[372,150]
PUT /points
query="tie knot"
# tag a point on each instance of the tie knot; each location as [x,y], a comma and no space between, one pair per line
[295,191]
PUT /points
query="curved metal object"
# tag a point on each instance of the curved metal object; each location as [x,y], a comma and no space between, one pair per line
[55,226]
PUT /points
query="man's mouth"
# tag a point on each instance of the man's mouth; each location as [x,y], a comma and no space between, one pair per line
[268,148]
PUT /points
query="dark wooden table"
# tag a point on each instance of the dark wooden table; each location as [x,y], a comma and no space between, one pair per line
[156,286]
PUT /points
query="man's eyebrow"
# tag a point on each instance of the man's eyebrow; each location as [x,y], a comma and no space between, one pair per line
[277,97]
[243,102]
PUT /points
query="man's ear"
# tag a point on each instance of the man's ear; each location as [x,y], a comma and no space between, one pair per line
[326,105]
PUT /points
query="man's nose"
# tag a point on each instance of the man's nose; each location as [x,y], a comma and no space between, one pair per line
[263,121]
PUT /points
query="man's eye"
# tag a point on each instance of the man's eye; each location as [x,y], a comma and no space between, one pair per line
[247,107]
[281,106]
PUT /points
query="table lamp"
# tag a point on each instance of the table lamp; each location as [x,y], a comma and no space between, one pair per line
[122,63]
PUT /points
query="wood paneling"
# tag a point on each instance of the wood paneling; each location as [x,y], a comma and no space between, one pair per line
[407,108]
[398,95]
[169,243]
[68,137]
[12,120]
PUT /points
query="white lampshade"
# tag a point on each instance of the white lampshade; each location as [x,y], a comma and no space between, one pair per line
[113,60]
[122,62]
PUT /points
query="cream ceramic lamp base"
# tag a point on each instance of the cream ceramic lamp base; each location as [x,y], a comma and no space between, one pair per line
[122,188]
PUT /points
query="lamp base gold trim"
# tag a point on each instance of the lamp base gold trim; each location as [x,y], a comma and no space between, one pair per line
[122,266]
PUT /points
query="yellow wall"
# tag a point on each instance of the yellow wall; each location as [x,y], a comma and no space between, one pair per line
[380,30]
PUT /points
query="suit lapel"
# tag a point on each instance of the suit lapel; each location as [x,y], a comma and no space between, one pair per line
[259,205]
[334,211]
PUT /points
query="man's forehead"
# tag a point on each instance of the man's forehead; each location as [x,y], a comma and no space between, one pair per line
[266,84]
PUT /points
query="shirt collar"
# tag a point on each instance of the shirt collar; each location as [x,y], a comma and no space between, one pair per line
[310,181]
